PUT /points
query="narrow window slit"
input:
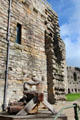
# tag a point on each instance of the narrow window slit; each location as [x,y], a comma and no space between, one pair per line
[18,37]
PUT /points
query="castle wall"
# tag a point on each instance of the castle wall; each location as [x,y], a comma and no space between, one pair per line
[73,78]
[32,56]
[56,65]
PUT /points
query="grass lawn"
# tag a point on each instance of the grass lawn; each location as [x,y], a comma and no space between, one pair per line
[72,97]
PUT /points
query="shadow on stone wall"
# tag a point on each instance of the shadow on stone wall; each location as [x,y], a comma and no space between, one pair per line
[49,57]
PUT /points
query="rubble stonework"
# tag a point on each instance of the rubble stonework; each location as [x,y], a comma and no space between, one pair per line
[73,79]
[41,52]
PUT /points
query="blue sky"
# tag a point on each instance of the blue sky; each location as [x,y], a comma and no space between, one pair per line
[69,20]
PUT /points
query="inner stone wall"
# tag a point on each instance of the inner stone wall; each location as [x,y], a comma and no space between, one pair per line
[41,52]
[73,80]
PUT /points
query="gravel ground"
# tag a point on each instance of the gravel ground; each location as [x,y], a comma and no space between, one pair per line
[69,112]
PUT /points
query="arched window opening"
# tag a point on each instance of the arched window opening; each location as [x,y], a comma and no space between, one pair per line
[75,90]
[69,90]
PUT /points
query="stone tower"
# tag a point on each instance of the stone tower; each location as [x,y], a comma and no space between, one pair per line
[35,48]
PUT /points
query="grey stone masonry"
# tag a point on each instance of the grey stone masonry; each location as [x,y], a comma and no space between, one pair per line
[41,52]
[73,80]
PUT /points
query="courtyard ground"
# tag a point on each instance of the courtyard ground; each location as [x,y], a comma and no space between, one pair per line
[69,112]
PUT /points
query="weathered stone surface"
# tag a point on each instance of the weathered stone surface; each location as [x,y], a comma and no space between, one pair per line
[40,116]
[73,80]
[41,52]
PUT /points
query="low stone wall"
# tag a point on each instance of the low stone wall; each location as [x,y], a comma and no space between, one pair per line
[40,116]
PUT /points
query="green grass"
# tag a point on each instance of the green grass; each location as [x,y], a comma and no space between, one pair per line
[73,97]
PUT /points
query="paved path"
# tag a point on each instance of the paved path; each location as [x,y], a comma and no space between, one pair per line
[68,112]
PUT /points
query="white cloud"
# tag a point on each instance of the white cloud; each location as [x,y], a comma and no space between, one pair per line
[70,33]
[65,30]
[73,52]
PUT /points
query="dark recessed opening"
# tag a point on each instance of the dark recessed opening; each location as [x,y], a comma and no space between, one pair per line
[75,76]
[18,37]
[69,90]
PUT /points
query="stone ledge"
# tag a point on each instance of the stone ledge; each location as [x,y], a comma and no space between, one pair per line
[43,114]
